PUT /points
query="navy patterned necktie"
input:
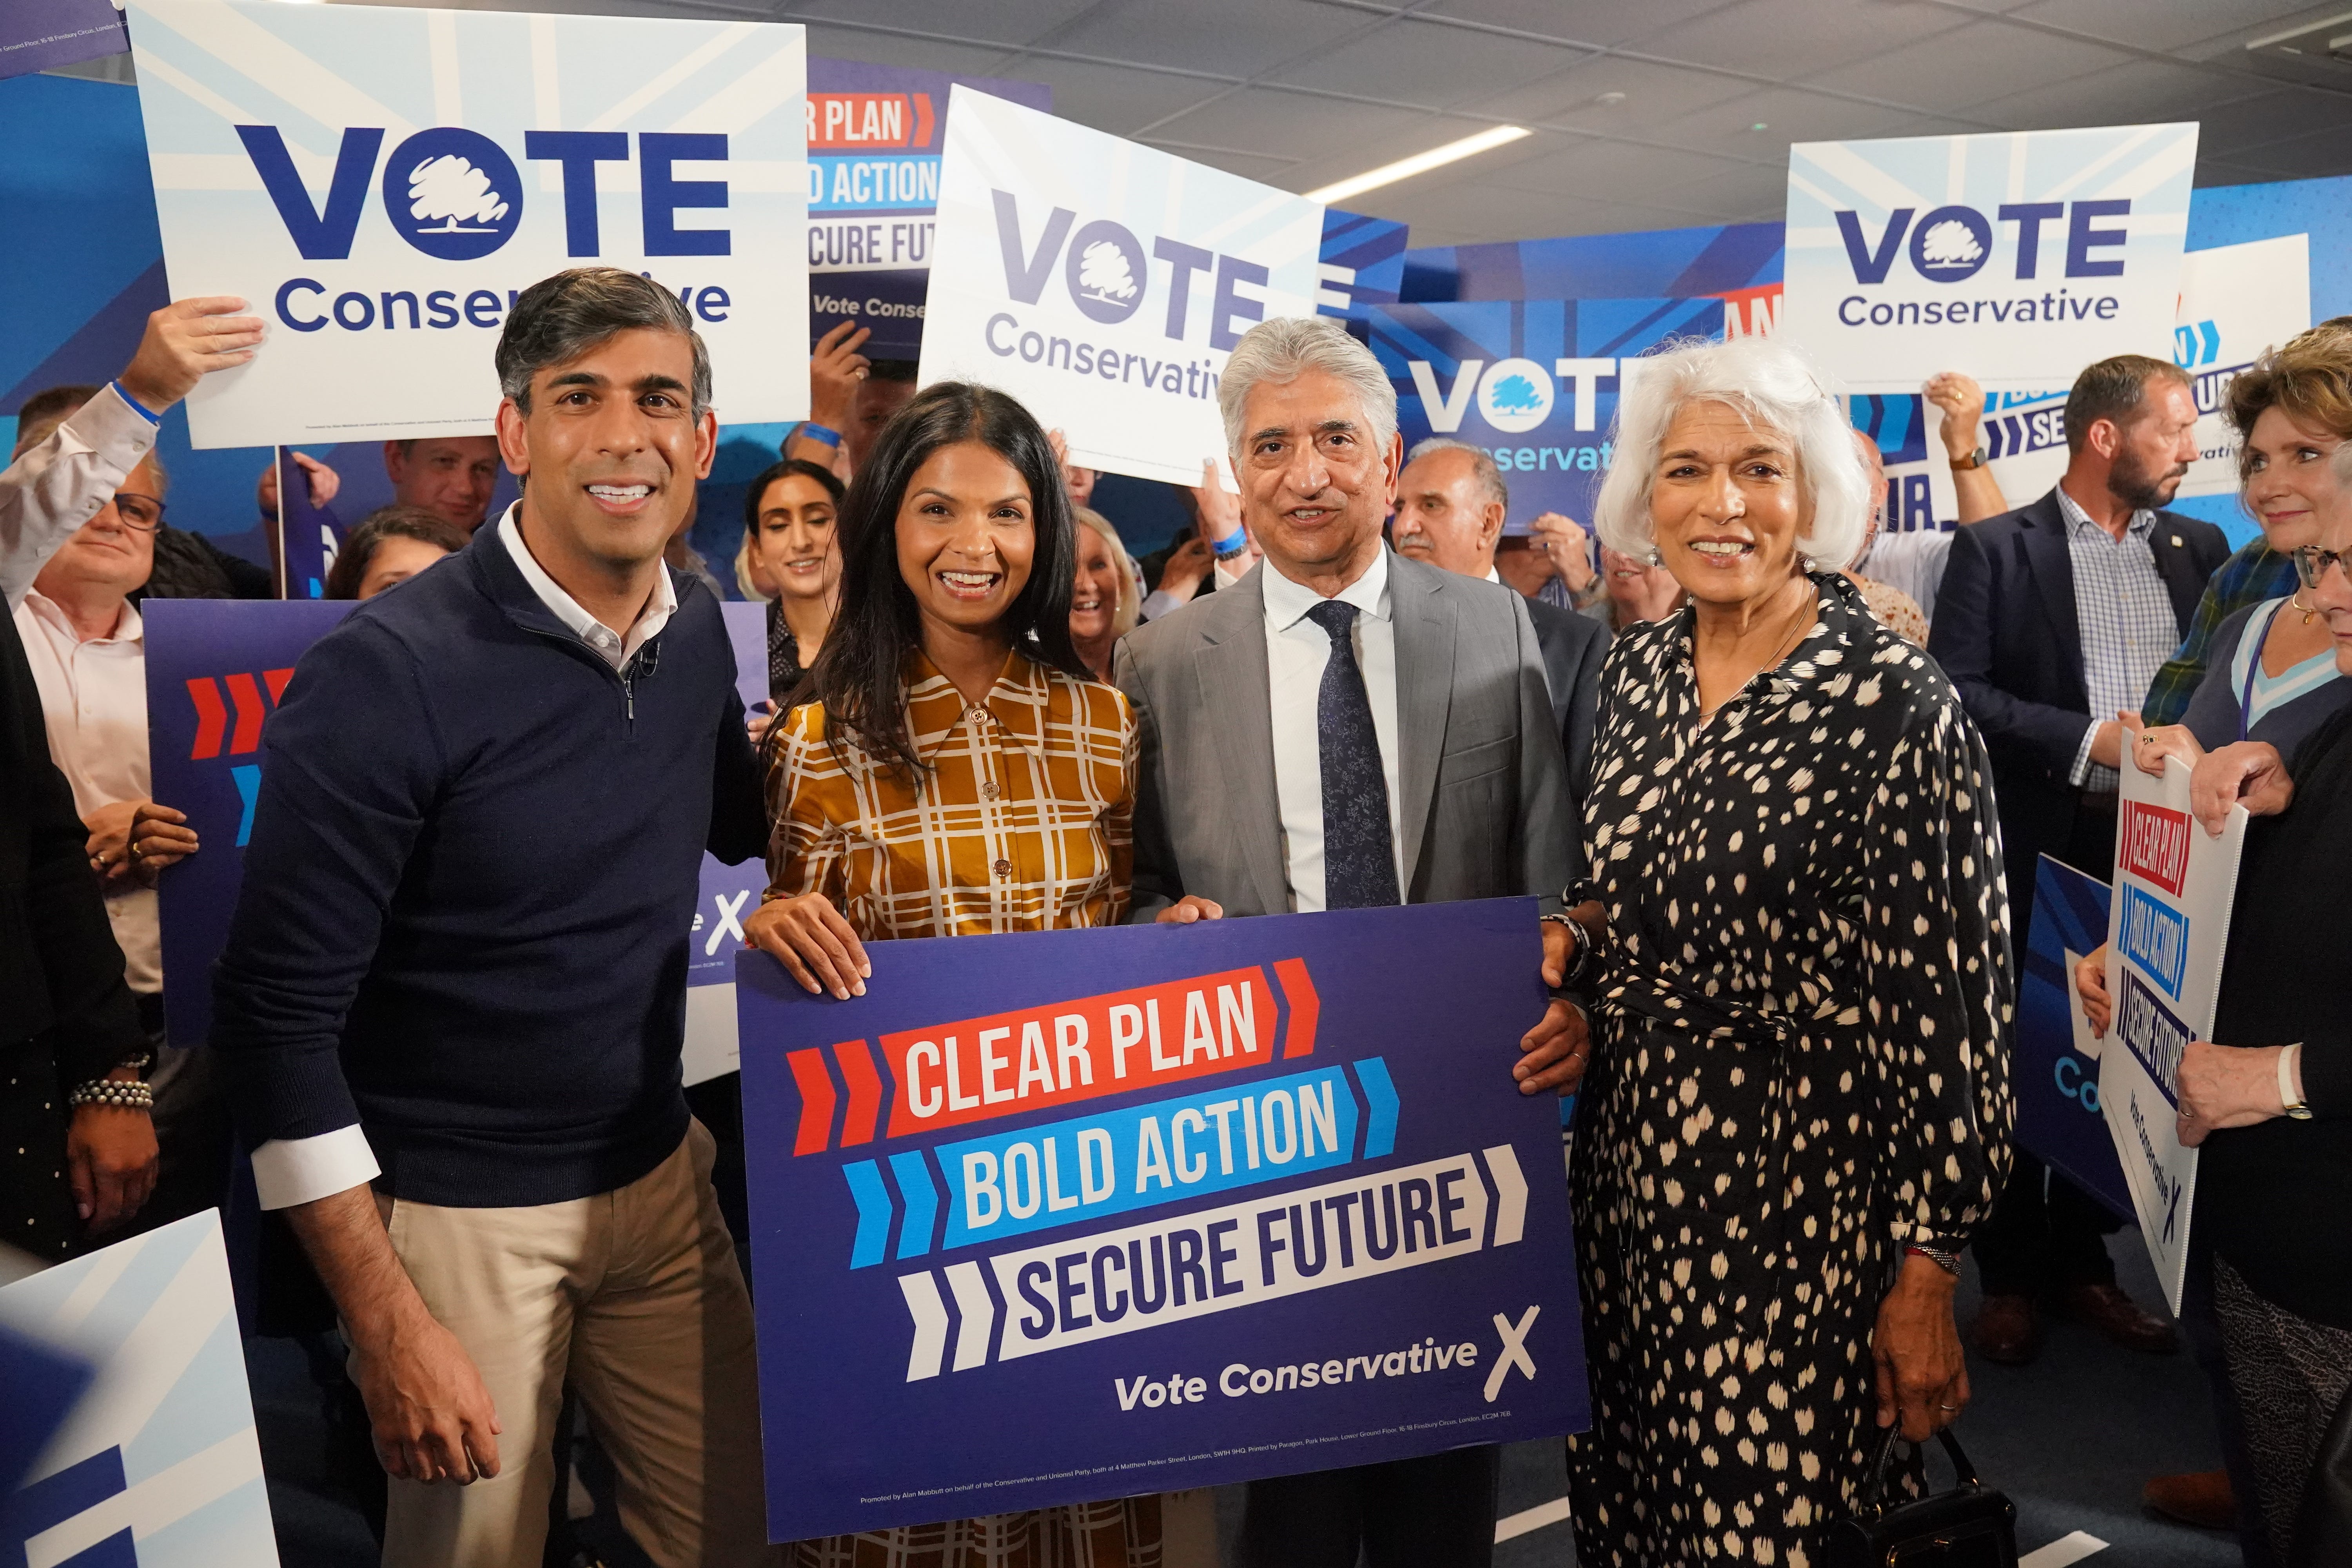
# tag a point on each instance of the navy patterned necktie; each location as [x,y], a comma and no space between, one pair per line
[1359,853]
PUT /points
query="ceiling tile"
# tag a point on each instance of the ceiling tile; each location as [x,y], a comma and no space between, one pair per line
[1605,22]
[2319,156]
[2134,94]
[2171,26]
[1953,73]
[1782,39]
[1298,126]
[1232,38]
[1413,62]
[1654,95]
[1005,21]
[1115,98]
[1733,192]
[1258,166]
[1788,114]
[890,49]
[2262,118]
[1608,172]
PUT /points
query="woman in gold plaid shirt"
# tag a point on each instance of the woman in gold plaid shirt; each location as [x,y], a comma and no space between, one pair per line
[959,773]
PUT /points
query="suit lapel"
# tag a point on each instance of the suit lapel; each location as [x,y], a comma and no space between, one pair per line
[2045,539]
[2178,567]
[1424,683]
[1229,669]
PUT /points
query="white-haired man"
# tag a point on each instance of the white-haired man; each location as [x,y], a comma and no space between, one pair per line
[1452,504]
[1353,686]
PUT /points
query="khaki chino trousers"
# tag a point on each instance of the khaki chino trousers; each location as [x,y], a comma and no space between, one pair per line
[634,1298]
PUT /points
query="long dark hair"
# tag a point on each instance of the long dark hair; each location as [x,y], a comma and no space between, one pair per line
[859,676]
[827,480]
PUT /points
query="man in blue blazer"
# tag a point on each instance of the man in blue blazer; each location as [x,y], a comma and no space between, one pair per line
[2051,621]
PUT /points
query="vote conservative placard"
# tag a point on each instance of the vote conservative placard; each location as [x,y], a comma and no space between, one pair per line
[1534,383]
[1104,282]
[875,139]
[2167,933]
[215,671]
[382,182]
[1074,1216]
[2018,257]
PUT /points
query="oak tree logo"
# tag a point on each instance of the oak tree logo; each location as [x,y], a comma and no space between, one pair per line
[452,193]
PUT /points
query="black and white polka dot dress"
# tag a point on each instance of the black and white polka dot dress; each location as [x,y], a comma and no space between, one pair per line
[1801,1066]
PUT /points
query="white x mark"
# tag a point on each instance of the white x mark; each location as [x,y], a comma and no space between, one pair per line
[1513,1351]
[727,924]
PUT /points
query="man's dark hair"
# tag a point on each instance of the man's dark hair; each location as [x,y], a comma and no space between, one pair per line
[358,554]
[2114,389]
[786,470]
[44,411]
[859,677]
[898,369]
[558,318]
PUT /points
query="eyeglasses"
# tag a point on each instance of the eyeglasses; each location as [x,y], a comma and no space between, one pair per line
[2311,564]
[143,513]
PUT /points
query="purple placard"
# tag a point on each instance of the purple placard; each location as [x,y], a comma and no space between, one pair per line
[309,537]
[42,34]
[216,670]
[960,1234]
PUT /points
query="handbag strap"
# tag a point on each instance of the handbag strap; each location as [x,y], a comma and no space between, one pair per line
[1874,1497]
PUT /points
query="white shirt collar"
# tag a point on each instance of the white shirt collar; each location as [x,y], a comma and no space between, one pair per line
[1493,575]
[615,650]
[128,627]
[1286,602]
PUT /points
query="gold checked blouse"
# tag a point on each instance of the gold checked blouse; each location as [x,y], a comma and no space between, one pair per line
[1022,820]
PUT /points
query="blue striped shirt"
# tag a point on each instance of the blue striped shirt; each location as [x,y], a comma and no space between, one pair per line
[2126,620]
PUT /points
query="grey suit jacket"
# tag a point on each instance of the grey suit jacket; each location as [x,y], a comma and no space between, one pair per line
[1485,810]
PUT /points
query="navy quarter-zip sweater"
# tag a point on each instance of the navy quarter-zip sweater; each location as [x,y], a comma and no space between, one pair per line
[469,888]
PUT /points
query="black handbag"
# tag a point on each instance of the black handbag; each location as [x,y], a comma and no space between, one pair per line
[1971,1526]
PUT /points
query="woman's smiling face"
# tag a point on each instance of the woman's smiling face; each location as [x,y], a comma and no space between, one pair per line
[1726,506]
[966,534]
[2289,478]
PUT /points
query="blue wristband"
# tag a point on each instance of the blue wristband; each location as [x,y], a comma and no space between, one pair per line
[816,432]
[1232,545]
[143,412]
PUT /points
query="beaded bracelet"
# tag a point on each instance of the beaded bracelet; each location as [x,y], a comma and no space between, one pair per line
[118,1093]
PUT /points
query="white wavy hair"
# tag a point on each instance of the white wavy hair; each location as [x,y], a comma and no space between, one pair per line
[1778,389]
[1285,347]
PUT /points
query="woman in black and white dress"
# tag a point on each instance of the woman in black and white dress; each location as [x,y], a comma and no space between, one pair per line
[1798,1104]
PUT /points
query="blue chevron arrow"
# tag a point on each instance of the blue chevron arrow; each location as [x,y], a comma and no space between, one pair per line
[1380,1102]
[873,1213]
[914,1174]
[2210,335]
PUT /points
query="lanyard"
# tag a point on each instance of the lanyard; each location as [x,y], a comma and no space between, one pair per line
[2254,667]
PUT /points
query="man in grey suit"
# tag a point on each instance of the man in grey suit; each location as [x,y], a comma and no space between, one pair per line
[1346,728]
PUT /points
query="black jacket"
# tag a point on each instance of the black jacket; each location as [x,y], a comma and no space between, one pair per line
[60,972]
[469,887]
[2005,632]
[1573,647]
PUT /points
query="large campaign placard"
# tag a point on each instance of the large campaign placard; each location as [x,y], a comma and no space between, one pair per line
[2167,933]
[382,182]
[1534,383]
[217,669]
[1104,282]
[1071,1215]
[159,1463]
[875,135]
[2057,1067]
[52,33]
[2033,253]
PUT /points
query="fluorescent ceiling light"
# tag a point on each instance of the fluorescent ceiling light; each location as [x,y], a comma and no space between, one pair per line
[1419,164]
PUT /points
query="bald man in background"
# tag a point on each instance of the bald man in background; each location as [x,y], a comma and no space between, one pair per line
[1451,504]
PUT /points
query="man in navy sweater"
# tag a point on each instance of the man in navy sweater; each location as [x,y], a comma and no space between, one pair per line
[453,996]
